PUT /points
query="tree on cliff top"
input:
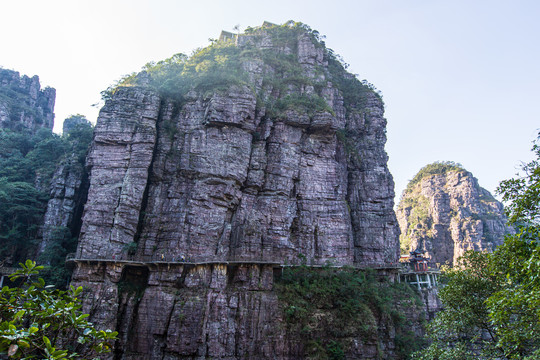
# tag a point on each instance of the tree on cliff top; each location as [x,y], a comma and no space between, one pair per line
[223,64]
[438,167]
[492,301]
[39,322]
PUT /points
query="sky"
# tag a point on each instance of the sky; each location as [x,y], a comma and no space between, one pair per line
[460,78]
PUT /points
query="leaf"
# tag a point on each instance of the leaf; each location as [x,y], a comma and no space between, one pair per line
[23,343]
[47,343]
[19,314]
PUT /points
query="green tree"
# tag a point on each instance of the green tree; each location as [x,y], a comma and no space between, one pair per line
[37,321]
[20,215]
[28,163]
[492,301]
[523,192]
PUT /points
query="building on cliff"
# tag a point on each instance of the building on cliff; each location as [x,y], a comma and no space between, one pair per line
[262,154]
[444,212]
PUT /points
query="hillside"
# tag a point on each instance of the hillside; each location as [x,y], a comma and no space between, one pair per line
[444,212]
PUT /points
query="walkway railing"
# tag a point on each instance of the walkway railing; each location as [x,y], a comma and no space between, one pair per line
[204,260]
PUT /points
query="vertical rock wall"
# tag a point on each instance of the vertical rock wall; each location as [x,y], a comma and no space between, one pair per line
[198,182]
[68,193]
[204,200]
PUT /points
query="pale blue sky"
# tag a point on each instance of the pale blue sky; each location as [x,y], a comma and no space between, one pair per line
[460,78]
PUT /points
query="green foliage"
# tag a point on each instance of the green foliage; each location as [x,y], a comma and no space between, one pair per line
[19,104]
[523,193]
[515,307]
[436,168]
[327,306]
[348,141]
[27,166]
[37,321]
[79,137]
[60,243]
[302,104]
[21,213]
[335,351]
[464,322]
[131,248]
[490,304]
[354,92]
[214,68]
[222,64]
[419,220]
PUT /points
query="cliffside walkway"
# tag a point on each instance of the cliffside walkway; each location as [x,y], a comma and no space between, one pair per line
[164,261]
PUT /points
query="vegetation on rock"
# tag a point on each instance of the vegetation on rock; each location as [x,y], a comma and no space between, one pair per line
[419,221]
[15,98]
[225,63]
[332,307]
[27,166]
[438,167]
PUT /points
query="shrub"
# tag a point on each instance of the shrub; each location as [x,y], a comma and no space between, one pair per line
[37,321]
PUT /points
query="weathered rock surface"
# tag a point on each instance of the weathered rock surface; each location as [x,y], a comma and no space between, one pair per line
[69,188]
[218,311]
[447,214]
[23,105]
[220,178]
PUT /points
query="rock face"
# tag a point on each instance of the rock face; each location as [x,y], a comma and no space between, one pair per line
[447,213]
[23,105]
[69,187]
[205,199]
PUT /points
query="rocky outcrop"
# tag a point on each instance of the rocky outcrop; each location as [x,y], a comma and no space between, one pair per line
[207,197]
[445,213]
[23,105]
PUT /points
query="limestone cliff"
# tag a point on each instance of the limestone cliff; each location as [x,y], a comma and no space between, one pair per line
[445,212]
[23,105]
[209,174]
